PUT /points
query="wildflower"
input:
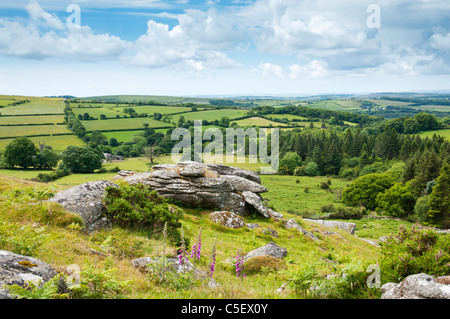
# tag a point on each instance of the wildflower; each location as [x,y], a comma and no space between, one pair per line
[212,266]
[196,249]
[239,264]
[182,251]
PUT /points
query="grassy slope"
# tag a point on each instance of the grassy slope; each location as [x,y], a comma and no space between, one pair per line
[46,235]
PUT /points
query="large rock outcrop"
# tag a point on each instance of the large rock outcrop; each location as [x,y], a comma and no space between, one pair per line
[420,286]
[86,201]
[18,270]
[214,186]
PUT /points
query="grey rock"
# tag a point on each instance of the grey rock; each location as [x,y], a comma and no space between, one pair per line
[420,286]
[241,184]
[253,225]
[227,219]
[271,249]
[348,227]
[291,223]
[214,186]
[255,201]
[18,270]
[86,201]
[222,169]
[274,215]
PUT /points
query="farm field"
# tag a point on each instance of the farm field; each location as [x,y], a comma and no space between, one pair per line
[211,115]
[290,117]
[443,133]
[333,105]
[258,121]
[44,106]
[151,109]
[286,195]
[122,124]
[32,130]
[96,112]
[44,119]
[59,143]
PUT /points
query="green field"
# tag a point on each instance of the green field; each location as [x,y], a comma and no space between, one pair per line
[286,195]
[122,124]
[151,109]
[32,130]
[96,112]
[44,119]
[443,133]
[58,143]
[43,106]
[289,117]
[258,121]
[211,115]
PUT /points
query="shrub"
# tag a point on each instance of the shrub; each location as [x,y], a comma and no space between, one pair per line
[81,159]
[300,171]
[421,209]
[365,189]
[289,163]
[98,283]
[139,205]
[324,185]
[414,251]
[312,169]
[262,264]
[398,200]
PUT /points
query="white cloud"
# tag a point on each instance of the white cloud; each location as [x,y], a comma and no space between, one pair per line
[272,70]
[315,69]
[38,15]
[161,47]
[27,41]
[441,42]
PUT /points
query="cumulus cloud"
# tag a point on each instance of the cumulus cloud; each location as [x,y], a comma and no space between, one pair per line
[161,47]
[313,70]
[27,40]
[323,37]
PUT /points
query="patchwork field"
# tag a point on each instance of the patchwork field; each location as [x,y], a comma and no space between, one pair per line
[258,121]
[44,106]
[122,124]
[151,109]
[24,120]
[96,112]
[32,130]
[289,117]
[58,143]
[211,115]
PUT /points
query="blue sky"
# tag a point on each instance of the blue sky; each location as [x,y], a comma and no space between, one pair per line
[217,47]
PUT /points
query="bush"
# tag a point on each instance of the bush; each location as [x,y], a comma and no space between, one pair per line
[262,264]
[300,171]
[139,205]
[324,185]
[81,159]
[364,190]
[397,201]
[289,163]
[414,251]
[421,209]
[312,169]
